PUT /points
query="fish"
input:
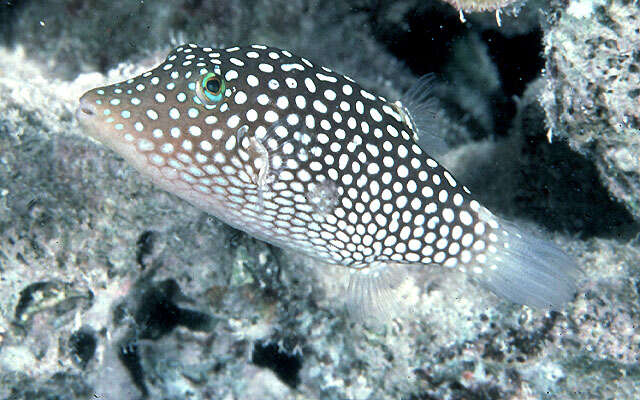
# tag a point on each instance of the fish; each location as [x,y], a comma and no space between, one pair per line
[305,158]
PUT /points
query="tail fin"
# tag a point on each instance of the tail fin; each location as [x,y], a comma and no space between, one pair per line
[528,270]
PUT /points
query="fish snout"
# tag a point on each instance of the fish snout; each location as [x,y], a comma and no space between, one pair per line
[87,110]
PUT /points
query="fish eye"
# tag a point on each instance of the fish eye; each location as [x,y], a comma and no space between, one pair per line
[210,88]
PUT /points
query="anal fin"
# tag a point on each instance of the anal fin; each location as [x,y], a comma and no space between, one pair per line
[380,292]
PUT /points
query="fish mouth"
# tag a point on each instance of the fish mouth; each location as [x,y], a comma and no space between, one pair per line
[86,111]
[89,118]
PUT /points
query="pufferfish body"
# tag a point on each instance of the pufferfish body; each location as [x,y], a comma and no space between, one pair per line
[305,158]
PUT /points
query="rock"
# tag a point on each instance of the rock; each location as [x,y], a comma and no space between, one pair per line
[183,306]
[591,95]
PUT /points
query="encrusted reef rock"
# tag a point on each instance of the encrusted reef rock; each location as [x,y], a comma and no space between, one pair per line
[592,94]
[111,288]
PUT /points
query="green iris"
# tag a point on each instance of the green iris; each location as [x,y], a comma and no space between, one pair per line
[210,89]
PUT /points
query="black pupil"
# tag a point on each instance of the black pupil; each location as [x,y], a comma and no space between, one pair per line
[213,85]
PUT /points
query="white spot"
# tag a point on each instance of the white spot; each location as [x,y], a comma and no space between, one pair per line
[273,84]
[240,97]
[216,134]
[282,102]
[457,199]
[479,245]
[271,116]
[449,178]
[268,68]
[416,204]
[326,78]
[311,86]
[145,145]
[330,94]
[466,218]
[319,106]
[236,61]
[157,159]
[263,99]
[467,240]
[293,119]
[253,81]
[166,148]
[375,114]
[292,66]
[447,214]
[206,146]
[439,257]
[252,115]
[443,196]
[195,130]
[152,114]
[309,121]
[231,75]
[291,83]
[373,169]
[451,262]
[301,102]
[367,95]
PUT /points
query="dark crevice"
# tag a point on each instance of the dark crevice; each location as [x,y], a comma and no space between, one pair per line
[555,186]
[144,248]
[158,313]
[425,41]
[516,67]
[563,192]
[8,14]
[285,366]
[129,356]
[83,344]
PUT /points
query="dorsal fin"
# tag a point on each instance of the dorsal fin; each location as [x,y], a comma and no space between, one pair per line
[417,107]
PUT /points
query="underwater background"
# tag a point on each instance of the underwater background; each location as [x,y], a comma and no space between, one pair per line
[111,288]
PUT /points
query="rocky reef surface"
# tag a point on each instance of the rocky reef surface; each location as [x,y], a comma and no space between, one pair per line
[111,288]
